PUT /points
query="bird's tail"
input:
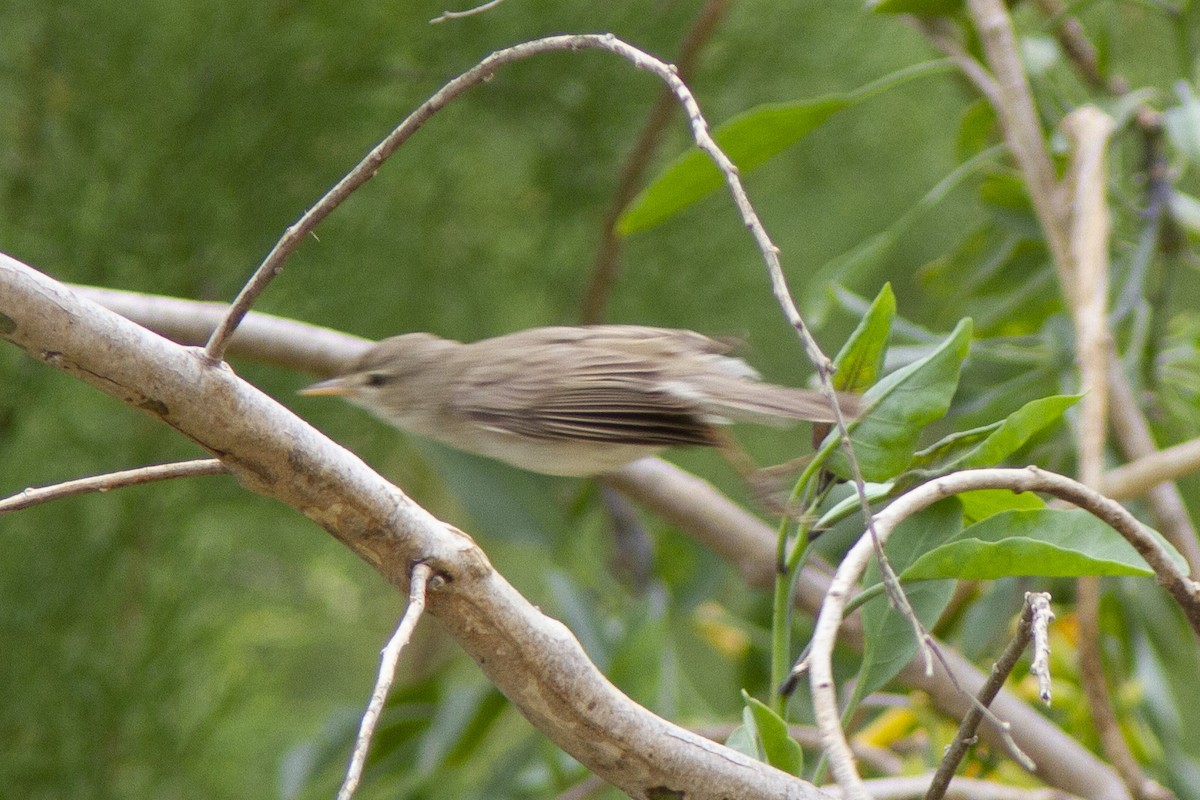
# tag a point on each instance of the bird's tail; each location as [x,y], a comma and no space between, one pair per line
[751,401]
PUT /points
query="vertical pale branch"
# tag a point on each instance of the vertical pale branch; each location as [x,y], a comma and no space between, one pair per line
[1089,129]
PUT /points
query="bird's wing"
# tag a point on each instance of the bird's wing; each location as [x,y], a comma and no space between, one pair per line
[601,395]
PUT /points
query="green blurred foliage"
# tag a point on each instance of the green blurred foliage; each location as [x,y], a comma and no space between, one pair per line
[187,639]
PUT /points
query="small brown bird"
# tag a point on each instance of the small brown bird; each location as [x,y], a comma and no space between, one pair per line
[570,400]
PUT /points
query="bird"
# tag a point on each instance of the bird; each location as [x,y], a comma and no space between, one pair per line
[572,400]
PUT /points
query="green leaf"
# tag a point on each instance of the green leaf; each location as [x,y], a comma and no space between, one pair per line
[899,406]
[851,504]
[1043,542]
[576,608]
[816,298]
[1017,429]
[1168,673]
[983,503]
[979,447]
[889,640]
[1005,189]
[988,445]
[742,740]
[780,749]
[749,139]
[941,456]
[459,723]
[1124,109]
[860,360]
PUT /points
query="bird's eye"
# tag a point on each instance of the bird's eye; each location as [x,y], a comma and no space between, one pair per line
[376,379]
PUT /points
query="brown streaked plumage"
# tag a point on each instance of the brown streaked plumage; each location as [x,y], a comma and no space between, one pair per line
[570,400]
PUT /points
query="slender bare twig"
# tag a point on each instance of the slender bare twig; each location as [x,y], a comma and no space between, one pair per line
[112,480]
[1185,591]
[965,737]
[941,34]
[608,251]
[387,672]
[470,12]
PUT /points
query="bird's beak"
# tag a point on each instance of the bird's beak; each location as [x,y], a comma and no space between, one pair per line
[333,387]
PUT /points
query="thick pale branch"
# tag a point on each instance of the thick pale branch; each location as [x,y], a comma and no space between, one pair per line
[1141,475]
[261,337]
[533,659]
